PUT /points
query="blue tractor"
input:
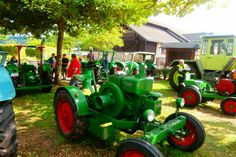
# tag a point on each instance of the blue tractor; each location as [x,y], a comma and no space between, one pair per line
[8,140]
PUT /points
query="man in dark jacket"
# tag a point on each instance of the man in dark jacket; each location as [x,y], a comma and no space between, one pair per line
[64,66]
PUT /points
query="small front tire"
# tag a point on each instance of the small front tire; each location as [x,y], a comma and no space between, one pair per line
[228,106]
[192,136]
[191,95]
[135,147]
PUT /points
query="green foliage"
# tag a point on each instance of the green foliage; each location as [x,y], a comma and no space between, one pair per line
[106,40]
[163,73]
[76,16]
[11,49]
[34,41]
[32,52]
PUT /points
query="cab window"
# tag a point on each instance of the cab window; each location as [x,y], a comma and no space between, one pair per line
[230,46]
[216,47]
[204,47]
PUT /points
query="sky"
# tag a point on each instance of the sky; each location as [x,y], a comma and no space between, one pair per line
[220,19]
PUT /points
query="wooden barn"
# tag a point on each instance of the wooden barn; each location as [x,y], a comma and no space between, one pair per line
[149,38]
[187,51]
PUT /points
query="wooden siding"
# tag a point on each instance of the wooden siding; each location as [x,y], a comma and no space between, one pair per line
[133,43]
[172,54]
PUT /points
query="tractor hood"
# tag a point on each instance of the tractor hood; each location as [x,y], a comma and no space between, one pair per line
[7,90]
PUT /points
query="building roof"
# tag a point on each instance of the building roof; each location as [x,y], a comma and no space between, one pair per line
[157,33]
[192,45]
[195,37]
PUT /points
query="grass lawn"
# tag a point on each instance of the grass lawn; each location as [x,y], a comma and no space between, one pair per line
[38,135]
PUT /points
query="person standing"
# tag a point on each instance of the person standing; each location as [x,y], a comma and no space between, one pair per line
[90,56]
[74,67]
[64,66]
[52,61]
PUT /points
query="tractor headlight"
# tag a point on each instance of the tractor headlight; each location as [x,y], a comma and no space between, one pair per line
[180,102]
[149,115]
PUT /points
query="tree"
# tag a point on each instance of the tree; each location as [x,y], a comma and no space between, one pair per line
[102,40]
[74,16]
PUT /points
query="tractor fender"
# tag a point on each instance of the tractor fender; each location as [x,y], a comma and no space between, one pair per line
[192,83]
[7,90]
[78,98]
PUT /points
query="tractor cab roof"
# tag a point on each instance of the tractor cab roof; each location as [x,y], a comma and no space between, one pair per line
[219,36]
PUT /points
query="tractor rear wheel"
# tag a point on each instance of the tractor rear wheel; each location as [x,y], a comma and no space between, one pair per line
[69,123]
[135,147]
[173,78]
[8,140]
[228,106]
[191,137]
[191,95]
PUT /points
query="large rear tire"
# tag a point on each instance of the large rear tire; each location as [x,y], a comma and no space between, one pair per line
[68,121]
[173,78]
[191,95]
[228,106]
[8,138]
[191,137]
[135,147]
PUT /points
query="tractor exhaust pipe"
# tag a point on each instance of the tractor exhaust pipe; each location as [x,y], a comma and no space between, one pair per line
[103,101]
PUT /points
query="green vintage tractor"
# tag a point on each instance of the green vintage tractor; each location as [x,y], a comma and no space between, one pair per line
[136,58]
[217,55]
[128,104]
[25,76]
[8,139]
[197,91]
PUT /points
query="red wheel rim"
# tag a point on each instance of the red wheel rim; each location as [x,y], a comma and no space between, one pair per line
[230,106]
[118,69]
[190,97]
[189,138]
[133,153]
[65,116]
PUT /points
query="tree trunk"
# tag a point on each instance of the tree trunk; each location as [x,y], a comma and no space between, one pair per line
[60,39]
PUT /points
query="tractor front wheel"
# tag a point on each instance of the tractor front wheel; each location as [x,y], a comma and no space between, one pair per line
[135,147]
[8,140]
[228,106]
[69,123]
[191,95]
[191,137]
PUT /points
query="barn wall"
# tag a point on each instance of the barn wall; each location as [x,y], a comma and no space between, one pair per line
[172,54]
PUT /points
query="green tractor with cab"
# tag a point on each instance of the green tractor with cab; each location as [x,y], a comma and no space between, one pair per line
[211,76]
[128,104]
[217,55]
[134,59]
[25,76]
